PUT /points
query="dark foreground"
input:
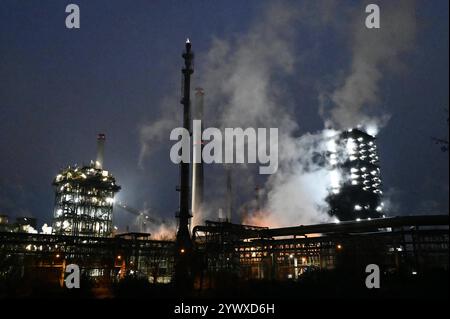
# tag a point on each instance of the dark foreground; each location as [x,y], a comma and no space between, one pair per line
[315,285]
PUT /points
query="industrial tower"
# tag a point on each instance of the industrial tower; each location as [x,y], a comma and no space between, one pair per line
[358,195]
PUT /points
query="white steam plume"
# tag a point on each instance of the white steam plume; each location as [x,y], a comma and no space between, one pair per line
[241,88]
[355,101]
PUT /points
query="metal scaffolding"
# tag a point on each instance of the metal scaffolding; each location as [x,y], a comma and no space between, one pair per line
[84,200]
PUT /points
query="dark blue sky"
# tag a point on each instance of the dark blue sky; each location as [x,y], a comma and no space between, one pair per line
[60,87]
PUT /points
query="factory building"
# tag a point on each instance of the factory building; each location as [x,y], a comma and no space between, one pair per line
[356,194]
[84,198]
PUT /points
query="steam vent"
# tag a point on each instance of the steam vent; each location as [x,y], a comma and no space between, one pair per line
[359,194]
[84,198]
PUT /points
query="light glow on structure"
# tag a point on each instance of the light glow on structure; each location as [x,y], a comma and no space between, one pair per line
[355,180]
[351,146]
[84,198]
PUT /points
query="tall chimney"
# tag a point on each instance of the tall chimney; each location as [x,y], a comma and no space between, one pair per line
[229,196]
[197,166]
[100,150]
[183,243]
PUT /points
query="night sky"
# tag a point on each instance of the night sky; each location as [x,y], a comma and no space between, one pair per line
[60,87]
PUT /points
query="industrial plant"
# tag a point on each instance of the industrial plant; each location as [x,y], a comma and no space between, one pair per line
[204,255]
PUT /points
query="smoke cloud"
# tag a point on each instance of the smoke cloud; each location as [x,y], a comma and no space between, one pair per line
[355,100]
[244,76]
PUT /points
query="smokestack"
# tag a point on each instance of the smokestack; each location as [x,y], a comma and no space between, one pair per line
[100,150]
[229,196]
[183,243]
[197,166]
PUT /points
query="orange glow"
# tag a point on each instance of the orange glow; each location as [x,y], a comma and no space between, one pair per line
[164,232]
[262,219]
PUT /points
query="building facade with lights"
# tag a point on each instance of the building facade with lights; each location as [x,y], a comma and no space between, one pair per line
[357,193]
[84,198]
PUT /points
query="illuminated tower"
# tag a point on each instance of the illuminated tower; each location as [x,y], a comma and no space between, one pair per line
[84,198]
[358,195]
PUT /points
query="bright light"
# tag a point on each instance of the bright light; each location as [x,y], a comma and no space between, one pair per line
[335,179]
[360,139]
[351,145]
[354,176]
[353,170]
[339,246]
[354,182]
[331,145]
[371,129]
[414,273]
[358,219]
[119,257]
[358,207]
[182,250]
[379,209]
[110,200]
[291,256]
